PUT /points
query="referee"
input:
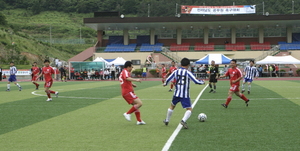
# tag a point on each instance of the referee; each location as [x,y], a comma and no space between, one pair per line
[214,73]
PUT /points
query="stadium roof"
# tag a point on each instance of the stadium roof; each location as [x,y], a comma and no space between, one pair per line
[197,22]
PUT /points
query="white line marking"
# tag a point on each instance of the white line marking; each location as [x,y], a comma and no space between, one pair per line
[175,133]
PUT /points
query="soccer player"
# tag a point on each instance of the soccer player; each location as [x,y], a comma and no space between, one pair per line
[181,93]
[144,74]
[172,69]
[163,73]
[213,74]
[249,73]
[47,71]
[35,73]
[128,93]
[12,78]
[235,77]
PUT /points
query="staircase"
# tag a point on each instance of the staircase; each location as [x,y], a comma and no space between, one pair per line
[171,55]
[272,52]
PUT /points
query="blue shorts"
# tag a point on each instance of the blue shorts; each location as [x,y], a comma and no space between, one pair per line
[248,80]
[144,74]
[185,102]
[12,78]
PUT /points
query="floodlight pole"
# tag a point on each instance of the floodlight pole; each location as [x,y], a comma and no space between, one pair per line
[233,3]
[176,9]
[148,10]
[203,5]
[293,7]
[263,7]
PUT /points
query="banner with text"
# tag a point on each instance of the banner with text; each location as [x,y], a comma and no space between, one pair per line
[218,10]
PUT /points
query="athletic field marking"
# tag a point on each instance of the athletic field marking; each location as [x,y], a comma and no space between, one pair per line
[175,133]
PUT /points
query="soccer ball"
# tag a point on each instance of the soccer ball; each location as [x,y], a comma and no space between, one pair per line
[202,117]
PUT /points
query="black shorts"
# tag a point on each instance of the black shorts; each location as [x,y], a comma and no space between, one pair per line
[214,80]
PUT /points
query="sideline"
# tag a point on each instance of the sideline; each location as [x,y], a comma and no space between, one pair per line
[175,133]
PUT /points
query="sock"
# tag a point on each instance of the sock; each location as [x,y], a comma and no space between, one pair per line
[50,91]
[163,81]
[228,100]
[187,115]
[138,115]
[243,87]
[169,114]
[242,96]
[48,94]
[215,87]
[171,86]
[18,85]
[132,109]
[249,87]
[8,86]
[210,86]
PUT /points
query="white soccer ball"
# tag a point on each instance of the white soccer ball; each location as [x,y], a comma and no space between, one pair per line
[202,117]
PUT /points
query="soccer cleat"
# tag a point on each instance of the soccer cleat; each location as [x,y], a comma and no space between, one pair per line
[214,91]
[166,122]
[20,88]
[184,124]
[49,99]
[127,116]
[243,91]
[37,87]
[56,94]
[248,92]
[224,105]
[247,102]
[8,90]
[170,90]
[211,91]
[140,123]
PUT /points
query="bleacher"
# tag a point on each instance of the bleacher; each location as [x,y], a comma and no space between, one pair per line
[236,46]
[181,47]
[204,47]
[260,46]
[120,48]
[146,47]
[289,46]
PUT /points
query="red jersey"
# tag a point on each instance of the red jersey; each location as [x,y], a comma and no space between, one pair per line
[276,68]
[234,74]
[172,69]
[35,70]
[163,71]
[125,85]
[47,72]
[72,70]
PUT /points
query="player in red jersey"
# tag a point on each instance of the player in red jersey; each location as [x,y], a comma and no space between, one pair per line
[235,77]
[172,69]
[163,73]
[128,93]
[47,71]
[35,73]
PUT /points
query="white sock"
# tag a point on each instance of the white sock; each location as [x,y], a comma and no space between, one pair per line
[169,114]
[249,87]
[243,87]
[187,115]
[8,86]
[18,85]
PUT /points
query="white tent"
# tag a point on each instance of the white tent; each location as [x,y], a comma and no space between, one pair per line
[279,60]
[100,59]
[218,58]
[118,62]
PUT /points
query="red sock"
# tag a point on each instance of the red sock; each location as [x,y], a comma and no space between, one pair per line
[163,81]
[171,86]
[138,115]
[132,109]
[52,91]
[243,97]
[228,100]
[48,94]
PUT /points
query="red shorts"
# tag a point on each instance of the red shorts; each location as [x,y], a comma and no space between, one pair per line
[34,78]
[129,97]
[234,88]
[174,81]
[48,84]
[164,76]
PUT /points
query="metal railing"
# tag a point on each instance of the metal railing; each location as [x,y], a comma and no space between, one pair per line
[274,50]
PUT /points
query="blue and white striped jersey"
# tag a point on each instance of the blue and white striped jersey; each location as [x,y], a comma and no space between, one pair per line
[13,70]
[182,85]
[250,72]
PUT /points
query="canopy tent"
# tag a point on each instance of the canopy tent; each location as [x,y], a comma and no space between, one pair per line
[100,59]
[118,61]
[279,60]
[218,58]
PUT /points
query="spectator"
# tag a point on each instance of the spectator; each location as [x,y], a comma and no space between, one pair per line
[290,72]
[77,75]
[97,75]
[72,73]
[101,73]
[260,70]
[106,74]
[4,76]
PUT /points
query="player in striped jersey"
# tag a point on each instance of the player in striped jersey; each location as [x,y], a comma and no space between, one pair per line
[12,78]
[182,79]
[249,73]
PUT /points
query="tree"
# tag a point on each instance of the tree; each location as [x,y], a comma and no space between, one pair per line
[2,19]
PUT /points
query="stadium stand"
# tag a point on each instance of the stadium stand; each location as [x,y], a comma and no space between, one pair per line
[146,47]
[204,47]
[260,46]
[182,47]
[236,46]
[289,46]
[120,48]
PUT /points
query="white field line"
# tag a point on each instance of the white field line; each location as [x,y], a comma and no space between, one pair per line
[177,130]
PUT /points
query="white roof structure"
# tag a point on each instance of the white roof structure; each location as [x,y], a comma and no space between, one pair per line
[279,60]
[100,59]
[119,61]
[218,58]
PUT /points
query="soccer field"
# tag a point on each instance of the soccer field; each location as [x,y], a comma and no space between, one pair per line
[89,116]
